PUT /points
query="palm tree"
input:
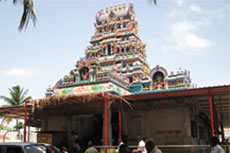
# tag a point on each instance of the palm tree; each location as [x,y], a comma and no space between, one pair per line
[28,13]
[154,1]
[17,98]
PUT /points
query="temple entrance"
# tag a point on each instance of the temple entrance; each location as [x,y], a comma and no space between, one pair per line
[97,126]
[89,128]
[115,127]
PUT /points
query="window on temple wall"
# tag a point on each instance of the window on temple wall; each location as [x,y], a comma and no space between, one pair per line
[122,50]
[118,50]
[180,81]
[127,49]
[87,55]
[109,49]
[112,28]
[172,82]
[102,52]
[108,28]
[105,29]
[115,27]
[100,30]
[94,74]
[130,79]
[84,73]
[119,26]
[111,16]
[131,64]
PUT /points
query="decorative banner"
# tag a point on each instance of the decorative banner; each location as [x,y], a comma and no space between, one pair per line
[92,88]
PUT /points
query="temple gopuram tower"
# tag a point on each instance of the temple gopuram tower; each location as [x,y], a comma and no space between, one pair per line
[115,54]
[117,45]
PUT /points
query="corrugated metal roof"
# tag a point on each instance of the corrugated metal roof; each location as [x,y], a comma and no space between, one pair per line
[175,92]
[220,96]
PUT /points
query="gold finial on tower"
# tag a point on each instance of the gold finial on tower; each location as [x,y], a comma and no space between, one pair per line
[143,45]
[123,5]
[107,10]
[119,6]
[115,8]
[111,8]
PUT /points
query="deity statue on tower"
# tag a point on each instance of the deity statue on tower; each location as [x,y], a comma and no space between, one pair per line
[85,74]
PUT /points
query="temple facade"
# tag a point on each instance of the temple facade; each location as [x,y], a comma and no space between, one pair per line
[112,93]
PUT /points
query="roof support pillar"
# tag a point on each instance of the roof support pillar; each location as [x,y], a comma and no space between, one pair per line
[25,118]
[211,112]
[105,120]
[119,118]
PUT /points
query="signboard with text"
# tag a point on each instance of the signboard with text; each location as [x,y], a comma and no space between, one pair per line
[44,138]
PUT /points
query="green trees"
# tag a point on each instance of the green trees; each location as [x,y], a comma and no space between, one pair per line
[28,13]
[17,97]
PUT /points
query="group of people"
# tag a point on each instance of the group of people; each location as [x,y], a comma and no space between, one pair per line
[147,146]
[75,146]
[90,149]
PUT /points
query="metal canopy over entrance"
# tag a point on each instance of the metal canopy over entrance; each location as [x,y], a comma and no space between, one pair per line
[220,96]
[220,99]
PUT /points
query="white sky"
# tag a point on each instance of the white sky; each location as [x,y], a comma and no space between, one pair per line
[191,34]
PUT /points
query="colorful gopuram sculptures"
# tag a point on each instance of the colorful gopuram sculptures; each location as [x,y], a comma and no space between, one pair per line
[117,54]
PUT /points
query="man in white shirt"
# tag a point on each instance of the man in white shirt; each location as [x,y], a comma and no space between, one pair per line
[141,145]
[151,147]
[215,147]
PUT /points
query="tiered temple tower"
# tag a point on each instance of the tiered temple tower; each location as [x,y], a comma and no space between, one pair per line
[115,60]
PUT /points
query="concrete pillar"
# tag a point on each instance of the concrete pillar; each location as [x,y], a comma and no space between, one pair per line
[110,139]
[44,120]
[187,131]
[187,126]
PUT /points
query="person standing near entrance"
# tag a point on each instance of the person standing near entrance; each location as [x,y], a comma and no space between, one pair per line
[215,147]
[91,149]
[141,146]
[123,148]
[76,147]
[151,147]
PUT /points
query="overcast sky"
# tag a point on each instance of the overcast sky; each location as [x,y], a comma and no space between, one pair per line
[192,34]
